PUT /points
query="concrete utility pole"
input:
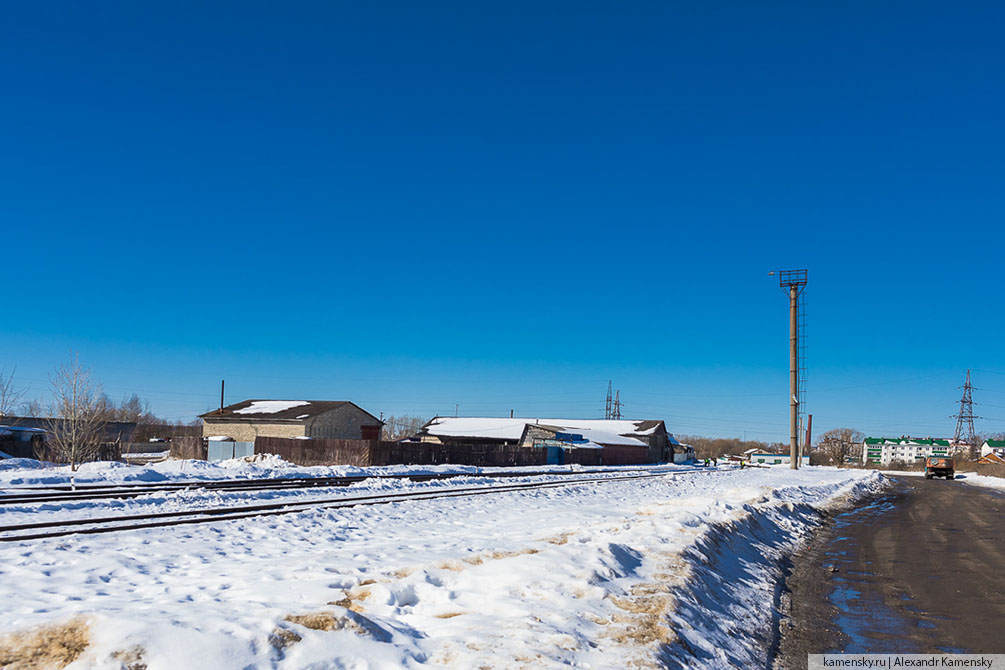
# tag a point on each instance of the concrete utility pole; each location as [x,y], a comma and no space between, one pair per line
[794,281]
[794,375]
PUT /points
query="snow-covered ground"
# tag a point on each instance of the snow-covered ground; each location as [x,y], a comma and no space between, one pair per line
[679,570]
[975,479]
[23,472]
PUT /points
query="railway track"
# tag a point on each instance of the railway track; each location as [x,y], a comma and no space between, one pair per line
[64,493]
[97,525]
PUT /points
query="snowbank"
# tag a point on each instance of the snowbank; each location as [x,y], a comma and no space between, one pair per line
[679,571]
[975,479]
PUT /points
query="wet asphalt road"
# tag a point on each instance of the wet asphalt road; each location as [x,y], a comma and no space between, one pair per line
[919,570]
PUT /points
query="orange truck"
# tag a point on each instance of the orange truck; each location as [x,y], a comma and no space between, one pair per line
[940,466]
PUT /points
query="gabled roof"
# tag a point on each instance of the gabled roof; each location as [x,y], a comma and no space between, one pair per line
[279,410]
[997,444]
[601,431]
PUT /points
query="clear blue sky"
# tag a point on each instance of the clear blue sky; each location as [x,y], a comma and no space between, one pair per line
[504,205]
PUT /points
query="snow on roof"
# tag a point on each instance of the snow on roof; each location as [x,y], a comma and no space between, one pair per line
[270,406]
[600,431]
[220,438]
[279,410]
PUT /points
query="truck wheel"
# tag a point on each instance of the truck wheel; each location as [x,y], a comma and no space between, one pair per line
[928,476]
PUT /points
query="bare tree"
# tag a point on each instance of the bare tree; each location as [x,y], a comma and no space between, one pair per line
[78,429]
[400,427]
[10,395]
[35,408]
[131,408]
[840,443]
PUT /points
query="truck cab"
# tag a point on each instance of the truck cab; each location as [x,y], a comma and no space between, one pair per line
[940,466]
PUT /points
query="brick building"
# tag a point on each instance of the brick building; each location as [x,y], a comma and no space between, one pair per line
[244,421]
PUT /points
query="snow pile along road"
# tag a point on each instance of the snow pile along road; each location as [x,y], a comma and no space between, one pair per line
[678,571]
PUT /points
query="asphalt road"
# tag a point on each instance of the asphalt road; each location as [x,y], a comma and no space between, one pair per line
[920,570]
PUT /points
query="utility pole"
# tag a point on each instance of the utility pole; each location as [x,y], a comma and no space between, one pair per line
[965,418]
[222,382]
[616,414]
[794,281]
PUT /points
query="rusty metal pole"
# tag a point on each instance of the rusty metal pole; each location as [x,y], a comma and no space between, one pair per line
[794,376]
[809,433]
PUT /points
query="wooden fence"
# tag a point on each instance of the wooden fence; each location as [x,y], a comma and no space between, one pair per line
[625,454]
[188,447]
[371,452]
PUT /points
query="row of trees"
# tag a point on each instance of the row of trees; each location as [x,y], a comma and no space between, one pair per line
[835,446]
[130,408]
[400,427]
[78,412]
[716,447]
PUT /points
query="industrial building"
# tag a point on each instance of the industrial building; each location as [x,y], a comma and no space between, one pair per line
[244,421]
[648,439]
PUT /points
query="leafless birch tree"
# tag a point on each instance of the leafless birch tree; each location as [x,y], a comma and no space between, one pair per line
[77,430]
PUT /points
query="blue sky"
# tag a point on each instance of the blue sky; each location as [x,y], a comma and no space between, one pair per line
[503,205]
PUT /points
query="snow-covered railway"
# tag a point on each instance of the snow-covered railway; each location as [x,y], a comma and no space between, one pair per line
[123,522]
[66,493]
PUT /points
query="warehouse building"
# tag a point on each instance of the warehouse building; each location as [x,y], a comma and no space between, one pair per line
[645,441]
[244,421]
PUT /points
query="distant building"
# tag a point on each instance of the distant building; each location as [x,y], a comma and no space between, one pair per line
[21,442]
[991,458]
[568,433]
[885,450]
[763,458]
[996,447]
[682,453]
[246,420]
[26,436]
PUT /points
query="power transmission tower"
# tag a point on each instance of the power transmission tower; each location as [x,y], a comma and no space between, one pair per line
[794,282]
[609,408]
[616,414]
[965,418]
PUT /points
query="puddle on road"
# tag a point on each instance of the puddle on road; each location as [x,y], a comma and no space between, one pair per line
[869,624]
